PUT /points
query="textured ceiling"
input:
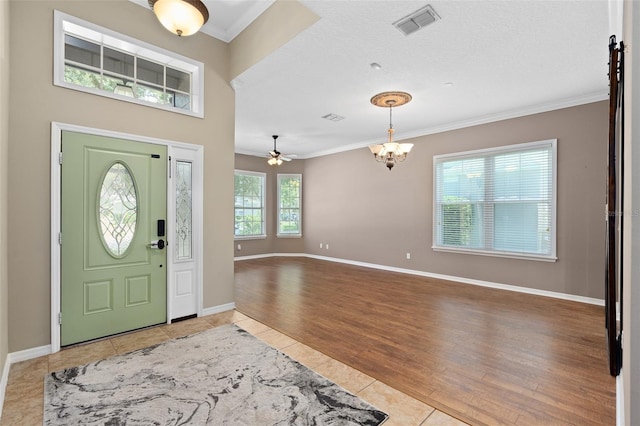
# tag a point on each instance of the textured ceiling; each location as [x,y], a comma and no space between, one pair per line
[483,61]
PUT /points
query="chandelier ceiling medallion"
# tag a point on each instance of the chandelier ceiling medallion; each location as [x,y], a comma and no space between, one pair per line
[181,17]
[390,152]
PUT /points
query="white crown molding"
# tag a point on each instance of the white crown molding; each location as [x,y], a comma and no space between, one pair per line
[522,112]
[215,32]
[255,153]
[247,18]
[236,28]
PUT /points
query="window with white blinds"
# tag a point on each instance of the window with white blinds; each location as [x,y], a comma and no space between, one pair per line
[498,201]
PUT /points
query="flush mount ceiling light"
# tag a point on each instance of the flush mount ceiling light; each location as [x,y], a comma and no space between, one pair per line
[124,89]
[390,152]
[181,17]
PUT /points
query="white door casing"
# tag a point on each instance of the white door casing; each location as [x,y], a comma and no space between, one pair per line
[190,272]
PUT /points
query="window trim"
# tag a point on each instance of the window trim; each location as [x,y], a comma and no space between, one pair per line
[288,235]
[64,23]
[552,257]
[263,235]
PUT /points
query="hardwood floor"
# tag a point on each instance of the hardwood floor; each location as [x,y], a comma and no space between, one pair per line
[485,356]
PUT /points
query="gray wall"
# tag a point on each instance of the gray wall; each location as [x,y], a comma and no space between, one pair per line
[369,214]
[4,144]
[35,103]
[631,268]
[271,244]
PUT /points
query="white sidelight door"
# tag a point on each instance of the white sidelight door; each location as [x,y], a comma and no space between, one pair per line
[186,256]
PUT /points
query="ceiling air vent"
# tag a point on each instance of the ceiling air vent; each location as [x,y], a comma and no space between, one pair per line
[416,20]
[333,117]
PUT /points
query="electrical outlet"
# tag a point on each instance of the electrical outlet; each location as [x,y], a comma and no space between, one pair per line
[326,246]
[320,245]
[408,256]
[239,247]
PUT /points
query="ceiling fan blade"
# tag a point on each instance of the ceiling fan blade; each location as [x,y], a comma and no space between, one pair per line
[285,159]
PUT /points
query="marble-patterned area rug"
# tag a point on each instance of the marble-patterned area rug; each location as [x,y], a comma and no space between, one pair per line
[222,376]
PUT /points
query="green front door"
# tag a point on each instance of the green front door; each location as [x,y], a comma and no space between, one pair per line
[113,215]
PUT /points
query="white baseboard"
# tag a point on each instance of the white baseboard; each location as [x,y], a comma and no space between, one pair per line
[509,287]
[32,353]
[28,354]
[262,256]
[217,309]
[3,382]
[620,399]
[14,357]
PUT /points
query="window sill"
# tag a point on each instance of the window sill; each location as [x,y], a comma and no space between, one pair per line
[105,94]
[521,256]
[249,237]
[289,236]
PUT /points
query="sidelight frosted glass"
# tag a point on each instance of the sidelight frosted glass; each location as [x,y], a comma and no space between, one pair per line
[184,205]
[118,209]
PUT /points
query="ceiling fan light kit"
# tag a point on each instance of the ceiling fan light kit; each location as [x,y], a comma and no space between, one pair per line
[181,17]
[390,152]
[275,157]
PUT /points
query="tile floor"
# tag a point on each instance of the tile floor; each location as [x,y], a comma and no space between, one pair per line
[23,403]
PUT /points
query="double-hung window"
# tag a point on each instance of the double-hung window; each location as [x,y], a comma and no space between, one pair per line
[289,205]
[96,60]
[498,201]
[249,204]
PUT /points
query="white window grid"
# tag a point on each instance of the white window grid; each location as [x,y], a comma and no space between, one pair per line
[103,37]
[261,208]
[284,234]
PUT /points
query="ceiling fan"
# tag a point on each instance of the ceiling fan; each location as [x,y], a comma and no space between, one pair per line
[276,157]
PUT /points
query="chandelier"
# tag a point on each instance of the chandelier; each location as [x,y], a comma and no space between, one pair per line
[390,152]
[181,17]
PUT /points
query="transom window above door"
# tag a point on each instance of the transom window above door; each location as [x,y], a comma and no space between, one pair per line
[96,60]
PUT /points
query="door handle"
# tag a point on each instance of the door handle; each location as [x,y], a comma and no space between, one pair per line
[159,244]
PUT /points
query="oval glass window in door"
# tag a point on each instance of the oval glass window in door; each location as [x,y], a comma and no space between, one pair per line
[118,209]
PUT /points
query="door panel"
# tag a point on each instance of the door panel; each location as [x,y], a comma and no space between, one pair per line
[185,189]
[113,194]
